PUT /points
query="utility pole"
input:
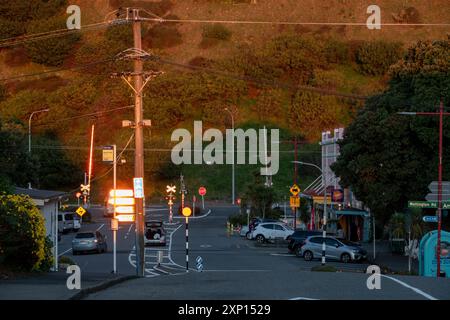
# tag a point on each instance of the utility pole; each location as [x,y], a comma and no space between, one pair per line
[139,143]
[441,115]
[140,79]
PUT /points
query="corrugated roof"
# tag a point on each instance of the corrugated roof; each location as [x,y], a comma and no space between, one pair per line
[40,194]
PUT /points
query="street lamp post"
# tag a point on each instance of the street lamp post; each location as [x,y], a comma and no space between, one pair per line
[441,115]
[29,126]
[232,163]
[29,133]
[324,233]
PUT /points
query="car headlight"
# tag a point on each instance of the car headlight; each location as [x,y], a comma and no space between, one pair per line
[355,250]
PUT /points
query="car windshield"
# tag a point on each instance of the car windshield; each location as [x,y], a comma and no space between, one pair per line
[85,235]
[69,216]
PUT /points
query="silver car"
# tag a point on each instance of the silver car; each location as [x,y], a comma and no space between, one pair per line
[335,249]
[89,241]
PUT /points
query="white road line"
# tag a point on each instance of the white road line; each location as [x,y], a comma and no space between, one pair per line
[283,255]
[426,295]
[59,255]
[100,227]
[236,270]
[303,298]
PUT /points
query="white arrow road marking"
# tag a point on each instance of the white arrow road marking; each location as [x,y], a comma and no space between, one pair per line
[303,298]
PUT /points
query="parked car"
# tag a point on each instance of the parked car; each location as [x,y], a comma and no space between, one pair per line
[244,230]
[270,230]
[155,233]
[89,241]
[335,249]
[297,239]
[65,222]
[254,222]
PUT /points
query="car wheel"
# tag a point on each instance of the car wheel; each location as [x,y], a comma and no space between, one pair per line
[346,258]
[260,238]
[298,251]
[308,255]
[248,235]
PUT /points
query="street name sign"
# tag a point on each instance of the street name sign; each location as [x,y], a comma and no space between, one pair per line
[428,204]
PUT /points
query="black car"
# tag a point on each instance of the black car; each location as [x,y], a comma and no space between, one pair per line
[298,237]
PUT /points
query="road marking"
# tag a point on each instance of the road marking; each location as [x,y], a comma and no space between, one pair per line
[59,255]
[128,232]
[205,246]
[426,295]
[100,227]
[282,254]
[303,298]
[236,270]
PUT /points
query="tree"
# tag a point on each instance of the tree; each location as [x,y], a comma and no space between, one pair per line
[386,158]
[23,243]
[259,196]
[51,51]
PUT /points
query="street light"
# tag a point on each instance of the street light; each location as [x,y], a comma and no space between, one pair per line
[324,233]
[232,163]
[29,126]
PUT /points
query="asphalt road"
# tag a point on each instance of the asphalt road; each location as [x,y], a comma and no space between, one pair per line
[235,269]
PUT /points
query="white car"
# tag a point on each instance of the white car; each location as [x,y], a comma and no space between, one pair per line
[270,231]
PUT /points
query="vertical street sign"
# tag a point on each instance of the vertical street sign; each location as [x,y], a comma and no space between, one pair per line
[202,192]
[138,184]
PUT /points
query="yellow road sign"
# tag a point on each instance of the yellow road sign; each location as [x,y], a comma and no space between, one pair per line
[295,190]
[295,202]
[80,211]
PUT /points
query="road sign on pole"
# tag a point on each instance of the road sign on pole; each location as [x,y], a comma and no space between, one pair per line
[430,218]
[295,202]
[138,184]
[428,204]
[202,191]
[80,211]
[295,190]
[434,194]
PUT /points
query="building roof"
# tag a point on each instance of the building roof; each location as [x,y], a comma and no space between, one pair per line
[40,194]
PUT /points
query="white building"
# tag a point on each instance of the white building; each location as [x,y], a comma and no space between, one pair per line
[48,203]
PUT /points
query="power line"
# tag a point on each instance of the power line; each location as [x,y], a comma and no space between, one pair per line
[247,22]
[83,66]
[84,115]
[10,42]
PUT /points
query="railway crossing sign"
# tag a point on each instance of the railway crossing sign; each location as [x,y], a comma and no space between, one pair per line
[85,188]
[171,189]
[295,190]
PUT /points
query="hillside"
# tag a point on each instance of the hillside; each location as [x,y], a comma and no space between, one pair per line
[343,59]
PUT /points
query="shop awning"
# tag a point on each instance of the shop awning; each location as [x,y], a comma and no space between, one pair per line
[351,212]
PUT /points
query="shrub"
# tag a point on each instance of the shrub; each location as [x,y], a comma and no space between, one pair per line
[336,52]
[214,33]
[238,219]
[375,58]
[23,244]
